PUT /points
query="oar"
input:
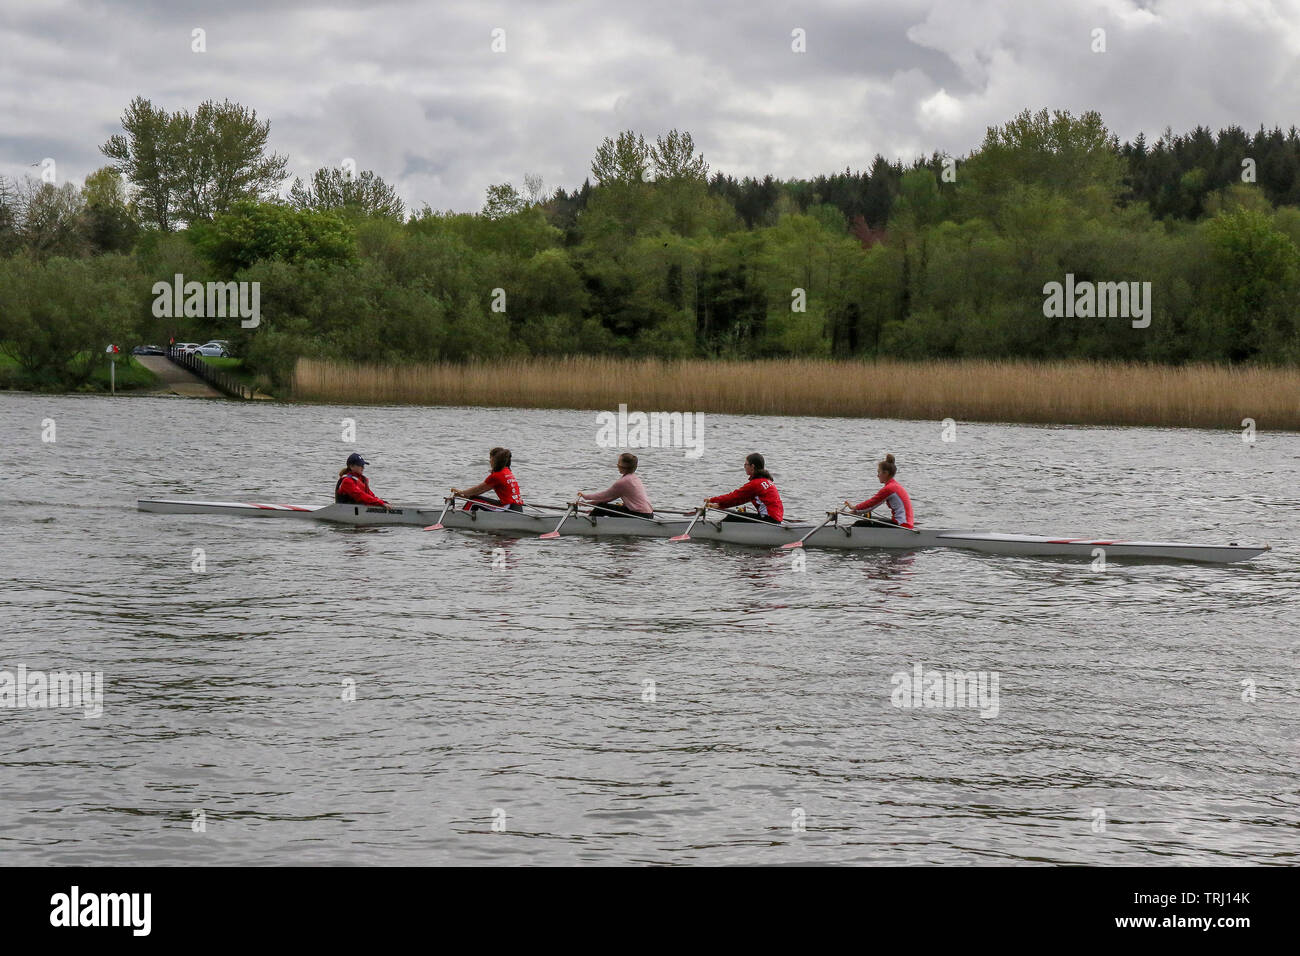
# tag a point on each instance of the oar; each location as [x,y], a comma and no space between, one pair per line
[437,525]
[619,514]
[747,517]
[686,535]
[876,521]
[830,516]
[556,533]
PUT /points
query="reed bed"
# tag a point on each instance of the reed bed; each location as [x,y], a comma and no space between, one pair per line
[1084,393]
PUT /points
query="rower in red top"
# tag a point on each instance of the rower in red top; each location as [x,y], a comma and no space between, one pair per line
[353,487]
[892,494]
[501,480]
[760,489]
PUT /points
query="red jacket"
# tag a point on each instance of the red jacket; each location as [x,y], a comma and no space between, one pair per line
[761,491]
[355,490]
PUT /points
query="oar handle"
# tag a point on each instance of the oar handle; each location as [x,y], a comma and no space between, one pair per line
[740,514]
[876,521]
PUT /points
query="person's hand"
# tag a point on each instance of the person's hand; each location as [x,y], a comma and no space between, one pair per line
[455,491]
[580,496]
[848,506]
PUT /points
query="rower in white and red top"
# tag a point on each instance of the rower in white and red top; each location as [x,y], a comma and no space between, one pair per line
[628,487]
[501,481]
[353,487]
[892,494]
[760,489]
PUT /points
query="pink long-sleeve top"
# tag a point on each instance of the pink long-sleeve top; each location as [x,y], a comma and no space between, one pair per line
[629,488]
[892,494]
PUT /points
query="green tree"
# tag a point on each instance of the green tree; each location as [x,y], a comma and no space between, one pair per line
[146,156]
[1076,157]
[332,189]
[189,167]
[57,315]
[52,219]
[1254,286]
[674,158]
[10,215]
[502,200]
[622,161]
[108,224]
[254,231]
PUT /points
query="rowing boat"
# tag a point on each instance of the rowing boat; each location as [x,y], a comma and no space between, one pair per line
[749,533]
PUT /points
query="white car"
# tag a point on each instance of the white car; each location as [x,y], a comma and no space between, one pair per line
[185,348]
[212,350]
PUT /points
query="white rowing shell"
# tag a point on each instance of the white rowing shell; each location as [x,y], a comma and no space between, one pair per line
[754,534]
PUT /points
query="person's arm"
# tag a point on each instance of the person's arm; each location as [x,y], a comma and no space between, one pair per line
[478,489]
[874,500]
[740,496]
[609,494]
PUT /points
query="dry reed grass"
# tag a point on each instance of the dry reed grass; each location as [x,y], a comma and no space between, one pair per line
[1085,393]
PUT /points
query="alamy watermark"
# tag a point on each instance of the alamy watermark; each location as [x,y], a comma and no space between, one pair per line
[53,689]
[624,429]
[946,689]
[209,300]
[1086,300]
[129,910]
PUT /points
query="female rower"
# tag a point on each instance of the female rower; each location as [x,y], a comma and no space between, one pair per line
[353,487]
[628,487]
[760,489]
[892,494]
[501,480]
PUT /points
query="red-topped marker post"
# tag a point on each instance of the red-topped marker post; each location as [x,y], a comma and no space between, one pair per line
[113,352]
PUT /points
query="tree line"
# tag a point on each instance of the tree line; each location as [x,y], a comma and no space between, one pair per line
[945,257]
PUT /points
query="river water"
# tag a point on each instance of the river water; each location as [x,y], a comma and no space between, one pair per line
[504,711]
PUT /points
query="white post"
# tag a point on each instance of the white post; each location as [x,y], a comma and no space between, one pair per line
[112,377]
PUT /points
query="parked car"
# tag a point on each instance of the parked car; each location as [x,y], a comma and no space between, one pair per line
[148,350]
[212,350]
[185,348]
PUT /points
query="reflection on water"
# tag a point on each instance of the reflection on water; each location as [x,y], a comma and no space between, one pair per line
[376,695]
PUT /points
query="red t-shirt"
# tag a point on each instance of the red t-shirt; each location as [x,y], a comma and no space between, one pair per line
[505,486]
[761,491]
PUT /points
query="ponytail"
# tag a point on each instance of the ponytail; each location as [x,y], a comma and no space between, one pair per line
[760,466]
[887,466]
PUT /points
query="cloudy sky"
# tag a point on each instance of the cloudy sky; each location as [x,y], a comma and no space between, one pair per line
[414,90]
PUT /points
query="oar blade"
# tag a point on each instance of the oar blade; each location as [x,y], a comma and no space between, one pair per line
[435,527]
[555,532]
[792,544]
[686,535]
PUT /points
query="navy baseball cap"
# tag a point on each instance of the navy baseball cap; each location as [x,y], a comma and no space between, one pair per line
[355,459]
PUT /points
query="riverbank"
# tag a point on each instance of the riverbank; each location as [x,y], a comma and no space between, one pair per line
[129,376]
[1075,393]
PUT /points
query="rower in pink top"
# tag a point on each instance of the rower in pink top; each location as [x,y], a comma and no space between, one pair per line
[892,494]
[628,487]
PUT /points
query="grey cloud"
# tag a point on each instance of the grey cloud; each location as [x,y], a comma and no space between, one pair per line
[412,90]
